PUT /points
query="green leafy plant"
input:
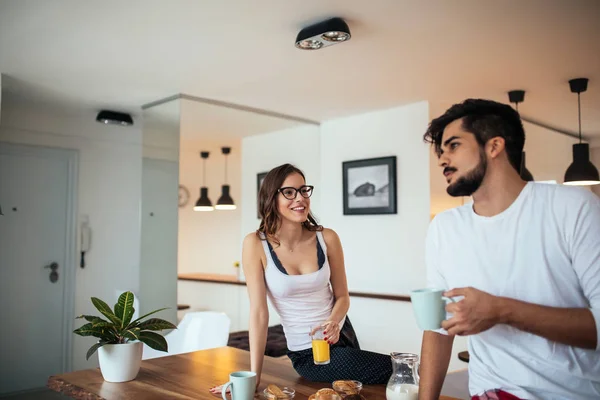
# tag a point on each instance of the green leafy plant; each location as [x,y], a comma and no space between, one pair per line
[119,328]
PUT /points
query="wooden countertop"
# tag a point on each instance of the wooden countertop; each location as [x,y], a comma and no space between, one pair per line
[233,280]
[189,376]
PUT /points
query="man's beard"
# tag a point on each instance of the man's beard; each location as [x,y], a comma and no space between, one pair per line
[468,184]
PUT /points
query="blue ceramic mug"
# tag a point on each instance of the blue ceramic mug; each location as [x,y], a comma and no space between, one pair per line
[243,385]
[429,306]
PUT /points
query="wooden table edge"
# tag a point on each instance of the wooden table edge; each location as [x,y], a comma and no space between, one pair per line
[58,385]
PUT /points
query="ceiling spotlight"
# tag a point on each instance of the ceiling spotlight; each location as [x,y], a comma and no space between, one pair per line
[114,118]
[323,34]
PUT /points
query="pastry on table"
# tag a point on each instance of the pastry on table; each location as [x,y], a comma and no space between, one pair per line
[275,392]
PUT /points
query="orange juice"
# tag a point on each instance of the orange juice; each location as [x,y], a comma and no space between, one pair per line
[320,351]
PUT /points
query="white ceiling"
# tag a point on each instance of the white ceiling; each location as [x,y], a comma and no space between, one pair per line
[125,54]
[202,121]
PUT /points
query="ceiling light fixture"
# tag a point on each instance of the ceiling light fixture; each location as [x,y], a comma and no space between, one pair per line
[114,118]
[581,172]
[517,96]
[204,203]
[323,34]
[225,202]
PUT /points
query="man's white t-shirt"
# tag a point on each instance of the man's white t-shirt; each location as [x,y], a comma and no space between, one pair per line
[543,249]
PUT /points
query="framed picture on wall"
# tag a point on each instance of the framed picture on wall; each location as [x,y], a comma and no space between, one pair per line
[259,179]
[369,186]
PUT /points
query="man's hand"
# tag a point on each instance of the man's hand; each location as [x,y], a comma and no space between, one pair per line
[477,312]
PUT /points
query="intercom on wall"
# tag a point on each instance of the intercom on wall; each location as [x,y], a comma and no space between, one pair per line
[86,239]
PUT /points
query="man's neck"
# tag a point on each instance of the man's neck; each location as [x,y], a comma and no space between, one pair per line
[497,193]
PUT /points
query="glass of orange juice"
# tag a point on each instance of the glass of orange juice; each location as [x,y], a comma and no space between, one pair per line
[320,347]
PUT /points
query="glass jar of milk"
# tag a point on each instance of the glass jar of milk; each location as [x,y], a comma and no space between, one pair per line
[404,382]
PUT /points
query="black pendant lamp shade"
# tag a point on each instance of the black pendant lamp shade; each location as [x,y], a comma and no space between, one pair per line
[204,203]
[517,96]
[225,202]
[581,172]
[323,34]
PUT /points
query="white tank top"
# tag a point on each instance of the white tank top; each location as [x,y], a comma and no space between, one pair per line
[301,301]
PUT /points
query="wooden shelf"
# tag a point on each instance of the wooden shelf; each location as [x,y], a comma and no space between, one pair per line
[233,280]
[211,278]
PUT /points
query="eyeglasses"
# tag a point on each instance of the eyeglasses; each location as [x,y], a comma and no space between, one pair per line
[291,192]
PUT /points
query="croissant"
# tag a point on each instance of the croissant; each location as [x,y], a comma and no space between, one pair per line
[276,391]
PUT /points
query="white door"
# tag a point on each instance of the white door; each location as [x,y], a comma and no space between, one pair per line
[37,187]
[158,265]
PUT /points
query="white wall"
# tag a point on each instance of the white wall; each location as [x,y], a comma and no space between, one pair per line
[224,298]
[210,242]
[391,245]
[383,253]
[109,190]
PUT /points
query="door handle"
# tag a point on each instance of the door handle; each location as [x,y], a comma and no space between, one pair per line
[53,274]
[53,266]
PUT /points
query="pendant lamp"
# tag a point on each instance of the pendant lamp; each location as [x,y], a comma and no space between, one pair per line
[225,202]
[204,203]
[517,96]
[581,172]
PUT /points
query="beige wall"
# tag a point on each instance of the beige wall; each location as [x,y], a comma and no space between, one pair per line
[210,242]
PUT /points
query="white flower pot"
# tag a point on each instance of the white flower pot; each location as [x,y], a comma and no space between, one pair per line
[120,362]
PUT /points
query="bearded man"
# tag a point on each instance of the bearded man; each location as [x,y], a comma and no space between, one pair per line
[524,260]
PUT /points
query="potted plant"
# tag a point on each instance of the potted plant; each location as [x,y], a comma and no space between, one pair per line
[120,343]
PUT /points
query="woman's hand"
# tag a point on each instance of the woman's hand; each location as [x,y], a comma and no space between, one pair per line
[219,389]
[331,330]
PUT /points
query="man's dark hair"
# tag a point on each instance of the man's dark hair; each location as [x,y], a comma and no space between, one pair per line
[485,119]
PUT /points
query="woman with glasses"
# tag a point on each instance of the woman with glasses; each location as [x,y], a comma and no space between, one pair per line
[299,265]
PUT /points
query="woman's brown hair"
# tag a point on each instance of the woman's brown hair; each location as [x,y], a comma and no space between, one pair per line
[267,203]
